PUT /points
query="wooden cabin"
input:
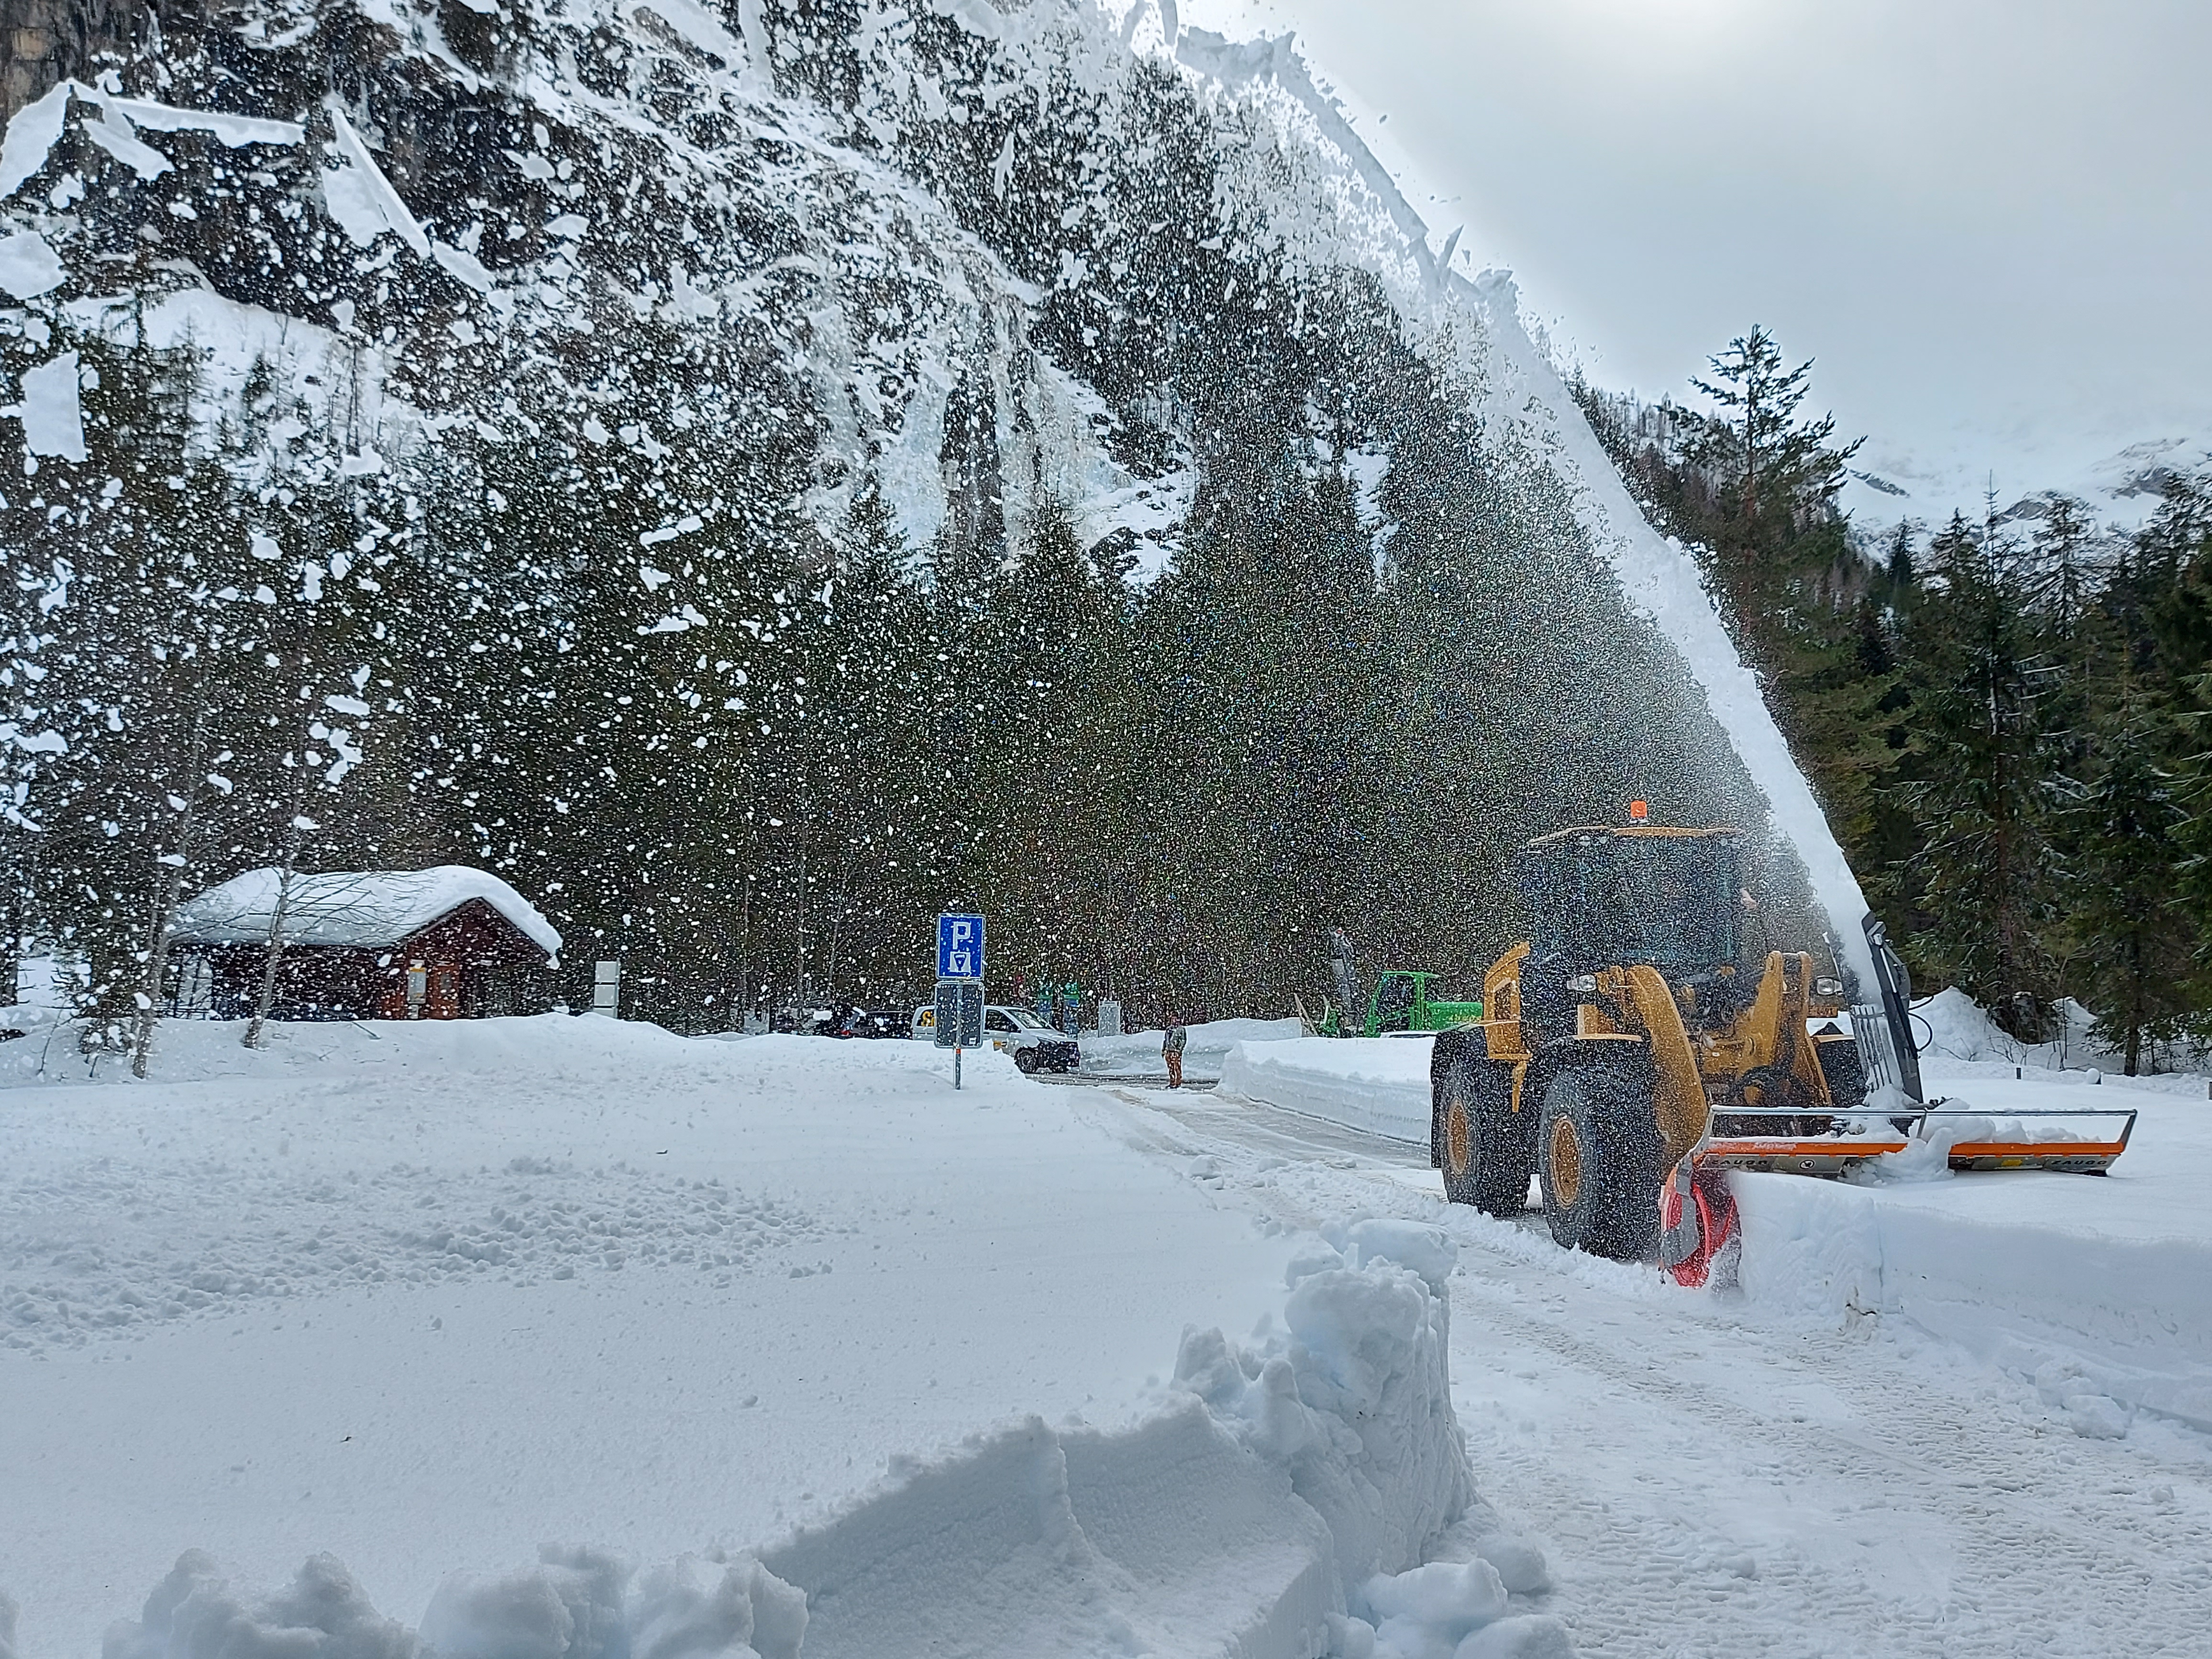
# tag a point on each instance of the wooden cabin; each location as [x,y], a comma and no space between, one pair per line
[448,943]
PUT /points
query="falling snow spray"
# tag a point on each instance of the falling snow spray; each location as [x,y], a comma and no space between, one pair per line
[1660,581]
[1523,393]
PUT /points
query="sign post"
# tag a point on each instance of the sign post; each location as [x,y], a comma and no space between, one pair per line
[959,986]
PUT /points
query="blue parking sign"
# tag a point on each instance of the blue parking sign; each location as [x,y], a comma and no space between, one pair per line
[960,947]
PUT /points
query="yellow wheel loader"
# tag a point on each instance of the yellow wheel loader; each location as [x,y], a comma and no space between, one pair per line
[1628,1050]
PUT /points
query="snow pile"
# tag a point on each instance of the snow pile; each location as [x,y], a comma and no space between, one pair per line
[361,908]
[1207,1047]
[1951,1025]
[1378,1085]
[1240,1517]
[589,1602]
[582,1603]
[1277,1501]
[1958,1027]
[194,1614]
[1450,1610]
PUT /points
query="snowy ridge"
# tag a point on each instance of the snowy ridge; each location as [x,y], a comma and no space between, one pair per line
[1381,1087]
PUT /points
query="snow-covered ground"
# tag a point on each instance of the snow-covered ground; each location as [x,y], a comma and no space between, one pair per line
[1711,1474]
[427,1297]
[424,1297]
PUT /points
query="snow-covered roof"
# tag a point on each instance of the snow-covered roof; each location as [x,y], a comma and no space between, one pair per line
[358,907]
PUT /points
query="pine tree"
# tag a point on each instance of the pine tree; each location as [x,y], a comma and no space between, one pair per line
[2133,945]
[1978,790]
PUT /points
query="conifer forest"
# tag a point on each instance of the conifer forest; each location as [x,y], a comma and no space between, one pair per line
[766,491]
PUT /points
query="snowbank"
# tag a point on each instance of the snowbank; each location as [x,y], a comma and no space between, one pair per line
[2102,1283]
[357,908]
[579,1601]
[1277,1501]
[1276,1478]
[1138,1053]
[1952,1026]
[1378,1085]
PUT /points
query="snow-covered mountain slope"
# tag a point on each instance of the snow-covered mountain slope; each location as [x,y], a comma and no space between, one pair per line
[709,279]
[2121,488]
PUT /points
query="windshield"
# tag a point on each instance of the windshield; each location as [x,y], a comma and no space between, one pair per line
[1670,901]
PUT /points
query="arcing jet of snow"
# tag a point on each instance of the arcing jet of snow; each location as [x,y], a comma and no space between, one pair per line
[1656,572]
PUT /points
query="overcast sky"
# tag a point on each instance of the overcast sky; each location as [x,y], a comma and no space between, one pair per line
[1990,221]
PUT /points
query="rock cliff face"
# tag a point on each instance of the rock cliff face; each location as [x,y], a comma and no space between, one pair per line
[987,252]
[44,41]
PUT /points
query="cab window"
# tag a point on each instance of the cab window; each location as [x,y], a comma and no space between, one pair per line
[996,1021]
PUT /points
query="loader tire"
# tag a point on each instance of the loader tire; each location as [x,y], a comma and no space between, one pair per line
[1599,1150]
[1486,1149]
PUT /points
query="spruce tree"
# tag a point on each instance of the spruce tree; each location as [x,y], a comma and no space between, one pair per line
[1979,772]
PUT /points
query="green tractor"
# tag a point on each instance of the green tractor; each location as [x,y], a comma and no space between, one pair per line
[1401,1002]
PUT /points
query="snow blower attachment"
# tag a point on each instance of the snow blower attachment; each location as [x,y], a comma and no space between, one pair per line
[1625,1052]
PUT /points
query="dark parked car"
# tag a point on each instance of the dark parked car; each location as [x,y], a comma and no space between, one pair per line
[872,1023]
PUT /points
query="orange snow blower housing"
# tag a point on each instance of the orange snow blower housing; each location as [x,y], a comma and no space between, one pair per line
[1629,1056]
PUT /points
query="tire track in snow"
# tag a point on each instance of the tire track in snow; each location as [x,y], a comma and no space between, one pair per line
[1718,1488]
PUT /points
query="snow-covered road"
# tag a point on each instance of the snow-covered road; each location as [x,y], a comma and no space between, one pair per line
[1709,1480]
[426,1298]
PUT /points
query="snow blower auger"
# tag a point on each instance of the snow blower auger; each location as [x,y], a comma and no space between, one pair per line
[1629,1058]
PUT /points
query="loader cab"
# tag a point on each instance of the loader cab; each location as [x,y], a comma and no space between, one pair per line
[1602,897]
[1395,994]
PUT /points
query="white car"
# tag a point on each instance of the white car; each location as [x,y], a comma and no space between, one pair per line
[1035,1045]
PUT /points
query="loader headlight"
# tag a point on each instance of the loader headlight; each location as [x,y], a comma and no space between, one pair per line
[1584,985]
[1827,987]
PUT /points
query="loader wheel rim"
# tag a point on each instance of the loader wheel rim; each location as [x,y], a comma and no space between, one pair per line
[1566,1162]
[1457,1148]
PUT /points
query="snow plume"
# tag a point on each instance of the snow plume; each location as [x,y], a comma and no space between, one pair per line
[1662,581]
[1280,1499]
[1359,213]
